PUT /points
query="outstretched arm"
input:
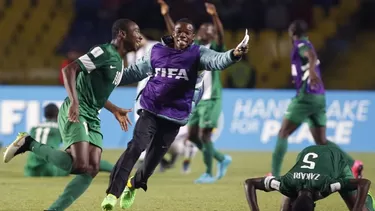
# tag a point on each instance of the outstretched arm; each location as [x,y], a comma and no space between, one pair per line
[211,10]
[164,9]
[138,71]
[121,114]
[251,185]
[212,60]
[353,201]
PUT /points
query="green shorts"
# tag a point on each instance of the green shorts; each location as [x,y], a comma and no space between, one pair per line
[307,107]
[87,129]
[206,114]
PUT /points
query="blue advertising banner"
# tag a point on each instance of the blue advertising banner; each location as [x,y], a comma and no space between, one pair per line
[250,119]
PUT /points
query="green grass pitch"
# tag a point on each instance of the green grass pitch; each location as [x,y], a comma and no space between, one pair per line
[168,191]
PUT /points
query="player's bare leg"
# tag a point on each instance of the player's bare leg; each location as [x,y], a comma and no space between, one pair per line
[319,135]
[281,148]
[86,169]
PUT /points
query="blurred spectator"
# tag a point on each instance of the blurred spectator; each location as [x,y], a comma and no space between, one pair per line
[71,56]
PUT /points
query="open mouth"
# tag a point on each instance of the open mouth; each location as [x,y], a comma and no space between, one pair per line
[182,42]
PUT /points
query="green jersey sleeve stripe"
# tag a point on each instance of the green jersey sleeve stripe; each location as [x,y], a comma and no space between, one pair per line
[87,63]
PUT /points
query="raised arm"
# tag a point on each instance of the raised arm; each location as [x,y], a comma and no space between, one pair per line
[251,185]
[211,10]
[138,71]
[164,9]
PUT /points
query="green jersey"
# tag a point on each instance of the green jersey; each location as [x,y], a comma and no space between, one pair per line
[319,168]
[46,133]
[211,79]
[102,71]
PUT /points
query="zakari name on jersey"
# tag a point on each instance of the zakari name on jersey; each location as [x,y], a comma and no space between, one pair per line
[102,70]
[318,168]
[300,67]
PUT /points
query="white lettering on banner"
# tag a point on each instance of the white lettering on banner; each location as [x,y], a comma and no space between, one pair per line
[32,114]
[12,113]
[264,117]
[245,126]
[352,110]
[259,108]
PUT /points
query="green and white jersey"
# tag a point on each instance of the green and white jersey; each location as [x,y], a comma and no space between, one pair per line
[211,79]
[47,133]
[102,71]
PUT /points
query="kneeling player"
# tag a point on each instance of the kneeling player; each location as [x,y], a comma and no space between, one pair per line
[48,133]
[319,171]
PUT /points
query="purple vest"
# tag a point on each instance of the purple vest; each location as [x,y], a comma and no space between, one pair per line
[300,66]
[169,92]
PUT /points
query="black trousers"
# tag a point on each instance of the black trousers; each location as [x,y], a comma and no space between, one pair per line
[152,133]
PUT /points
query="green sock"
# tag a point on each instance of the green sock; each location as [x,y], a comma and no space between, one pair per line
[57,157]
[208,153]
[72,192]
[349,158]
[278,155]
[218,155]
[105,166]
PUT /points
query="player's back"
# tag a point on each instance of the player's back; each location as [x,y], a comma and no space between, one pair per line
[316,168]
[46,133]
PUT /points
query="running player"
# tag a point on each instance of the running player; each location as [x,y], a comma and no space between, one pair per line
[48,133]
[178,145]
[166,102]
[319,171]
[310,102]
[100,71]
[206,115]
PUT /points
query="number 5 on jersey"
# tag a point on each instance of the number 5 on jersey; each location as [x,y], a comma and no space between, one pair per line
[307,159]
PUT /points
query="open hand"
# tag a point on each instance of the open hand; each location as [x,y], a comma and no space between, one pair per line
[73,115]
[122,117]
[164,8]
[210,9]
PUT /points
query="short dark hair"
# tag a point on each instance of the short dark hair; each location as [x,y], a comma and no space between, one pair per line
[303,203]
[120,24]
[51,111]
[298,27]
[186,20]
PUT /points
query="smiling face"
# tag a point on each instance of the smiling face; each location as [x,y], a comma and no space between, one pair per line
[183,35]
[133,38]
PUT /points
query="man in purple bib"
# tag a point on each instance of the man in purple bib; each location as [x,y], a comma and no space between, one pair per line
[166,103]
